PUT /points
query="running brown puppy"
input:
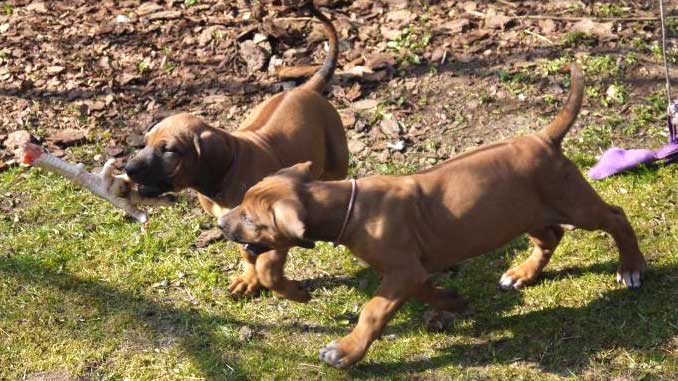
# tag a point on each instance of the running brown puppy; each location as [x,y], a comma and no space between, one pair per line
[408,227]
[299,125]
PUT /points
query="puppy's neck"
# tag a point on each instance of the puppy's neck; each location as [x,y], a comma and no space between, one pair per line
[326,206]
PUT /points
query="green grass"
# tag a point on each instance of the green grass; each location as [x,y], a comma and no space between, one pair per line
[86,292]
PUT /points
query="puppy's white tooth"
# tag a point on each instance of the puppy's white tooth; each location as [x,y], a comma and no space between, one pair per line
[518,284]
[635,277]
[627,280]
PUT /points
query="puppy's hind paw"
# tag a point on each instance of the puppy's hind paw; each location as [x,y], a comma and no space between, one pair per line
[332,355]
[630,279]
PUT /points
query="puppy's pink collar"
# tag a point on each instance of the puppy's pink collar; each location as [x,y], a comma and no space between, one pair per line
[351,201]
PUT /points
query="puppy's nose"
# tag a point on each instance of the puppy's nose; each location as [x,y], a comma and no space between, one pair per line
[132,168]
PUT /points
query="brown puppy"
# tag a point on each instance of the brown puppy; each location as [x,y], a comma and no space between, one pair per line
[295,126]
[411,226]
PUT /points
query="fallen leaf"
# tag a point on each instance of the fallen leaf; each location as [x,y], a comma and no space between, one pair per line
[389,126]
[356,71]
[164,15]
[148,8]
[547,26]
[254,55]
[497,21]
[347,118]
[401,16]
[67,137]
[389,34]
[37,7]
[456,26]
[469,6]
[355,146]
[55,69]
[208,237]
[365,104]
[114,151]
[381,60]
[593,28]
[353,92]
[98,105]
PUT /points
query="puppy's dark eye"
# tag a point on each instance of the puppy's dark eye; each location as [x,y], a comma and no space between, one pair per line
[170,150]
[247,220]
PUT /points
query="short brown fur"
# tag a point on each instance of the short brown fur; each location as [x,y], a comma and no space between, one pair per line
[408,227]
[182,151]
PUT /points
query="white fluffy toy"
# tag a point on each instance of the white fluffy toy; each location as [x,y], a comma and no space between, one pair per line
[117,190]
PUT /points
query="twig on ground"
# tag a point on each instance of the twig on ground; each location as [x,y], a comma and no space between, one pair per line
[539,36]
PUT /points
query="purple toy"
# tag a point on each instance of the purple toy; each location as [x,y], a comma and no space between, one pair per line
[616,160]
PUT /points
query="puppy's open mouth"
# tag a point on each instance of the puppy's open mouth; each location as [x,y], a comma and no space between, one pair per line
[255,249]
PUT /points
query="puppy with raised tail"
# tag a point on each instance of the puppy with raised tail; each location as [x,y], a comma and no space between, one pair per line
[295,126]
[409,227]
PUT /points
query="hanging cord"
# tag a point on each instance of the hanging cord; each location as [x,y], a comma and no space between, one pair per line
[671,108]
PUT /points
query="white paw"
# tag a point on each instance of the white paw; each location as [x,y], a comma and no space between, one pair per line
[331,355]
[631,279]
[507,282]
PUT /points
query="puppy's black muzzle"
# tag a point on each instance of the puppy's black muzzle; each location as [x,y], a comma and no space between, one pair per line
[252,248]
[147,171]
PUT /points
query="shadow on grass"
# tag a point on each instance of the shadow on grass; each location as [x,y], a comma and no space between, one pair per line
[558,339]
[193,329]
[562,340]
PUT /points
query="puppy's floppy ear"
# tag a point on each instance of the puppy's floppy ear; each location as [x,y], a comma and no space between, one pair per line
[288,217]
[212,152]
[301,171]
[210,145]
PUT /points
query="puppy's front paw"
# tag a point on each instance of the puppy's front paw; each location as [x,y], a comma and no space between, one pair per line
[515,278]
[245,285]
[630,278]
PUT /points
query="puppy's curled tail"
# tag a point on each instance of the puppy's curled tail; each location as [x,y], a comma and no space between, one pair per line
[558,128]
[320,79]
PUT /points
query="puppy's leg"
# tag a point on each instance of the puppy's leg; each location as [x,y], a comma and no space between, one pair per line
[612,219]
[545,241]
[246,283]
[394,291]
[270,266]
[586,210]
[444,299]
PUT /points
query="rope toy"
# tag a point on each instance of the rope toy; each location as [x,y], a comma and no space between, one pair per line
[117,190]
